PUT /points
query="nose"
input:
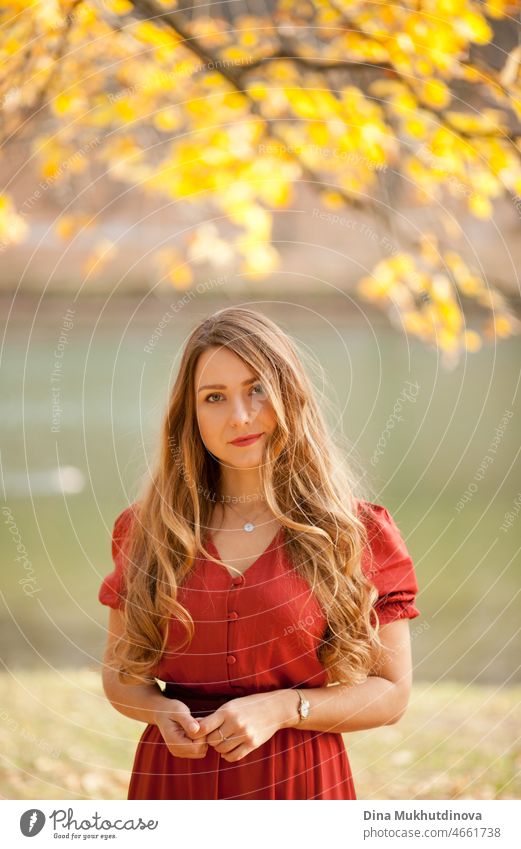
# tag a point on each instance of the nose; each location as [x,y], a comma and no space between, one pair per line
[241,412]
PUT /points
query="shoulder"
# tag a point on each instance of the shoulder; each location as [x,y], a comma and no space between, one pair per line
[387,563]
[376,518]
[121,527]
[126,517]
[112,589]
[387,553]
[382,530]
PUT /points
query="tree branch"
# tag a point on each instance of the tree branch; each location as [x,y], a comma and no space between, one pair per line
[149,10]
[30,113]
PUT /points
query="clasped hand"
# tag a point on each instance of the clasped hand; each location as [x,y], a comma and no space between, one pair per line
[246,723]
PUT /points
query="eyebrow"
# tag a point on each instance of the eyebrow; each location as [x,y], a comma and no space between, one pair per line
[223,386]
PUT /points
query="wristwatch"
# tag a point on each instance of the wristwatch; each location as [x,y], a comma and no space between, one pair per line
[304,706]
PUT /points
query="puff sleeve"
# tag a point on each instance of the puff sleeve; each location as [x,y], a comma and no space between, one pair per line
[388,565]
[112,589]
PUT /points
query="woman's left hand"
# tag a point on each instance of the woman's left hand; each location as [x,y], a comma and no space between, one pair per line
[247,722]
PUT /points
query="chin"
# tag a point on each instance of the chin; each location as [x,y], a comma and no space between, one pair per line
[248,461]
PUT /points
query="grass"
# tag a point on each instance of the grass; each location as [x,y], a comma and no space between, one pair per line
[61,739]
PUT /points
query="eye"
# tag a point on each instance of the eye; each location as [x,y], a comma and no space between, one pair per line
[260,387]
[257,386]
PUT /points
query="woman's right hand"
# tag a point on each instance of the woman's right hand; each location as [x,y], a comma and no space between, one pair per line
[178,728]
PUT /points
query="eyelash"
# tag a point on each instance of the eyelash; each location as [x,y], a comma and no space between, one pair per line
[218,393]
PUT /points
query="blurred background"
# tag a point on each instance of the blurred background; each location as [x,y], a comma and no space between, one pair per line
[394,271]
[420,434]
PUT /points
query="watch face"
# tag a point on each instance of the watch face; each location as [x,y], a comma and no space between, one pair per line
[305,709]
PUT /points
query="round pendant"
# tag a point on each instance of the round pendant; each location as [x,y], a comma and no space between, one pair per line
[249,527]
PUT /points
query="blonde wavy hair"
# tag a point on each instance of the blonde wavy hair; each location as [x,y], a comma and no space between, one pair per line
[305,481]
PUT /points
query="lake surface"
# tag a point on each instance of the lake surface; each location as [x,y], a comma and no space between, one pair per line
[79,429]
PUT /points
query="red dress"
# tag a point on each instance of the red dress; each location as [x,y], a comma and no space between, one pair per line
[257,632]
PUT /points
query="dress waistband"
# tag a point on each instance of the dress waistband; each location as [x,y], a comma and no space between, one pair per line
[199,704]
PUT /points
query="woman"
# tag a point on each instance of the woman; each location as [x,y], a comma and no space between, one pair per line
[271,601]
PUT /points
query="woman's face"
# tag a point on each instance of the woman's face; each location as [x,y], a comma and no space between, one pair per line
[230,403]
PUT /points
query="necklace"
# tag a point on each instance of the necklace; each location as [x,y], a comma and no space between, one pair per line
[249,525]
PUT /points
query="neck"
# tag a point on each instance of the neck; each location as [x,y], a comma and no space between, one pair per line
[241,486]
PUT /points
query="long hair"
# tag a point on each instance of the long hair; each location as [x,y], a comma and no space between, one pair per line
[307,485]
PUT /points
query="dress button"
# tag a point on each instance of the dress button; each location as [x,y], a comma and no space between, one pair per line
[238,580]
[233,615]
[231,659]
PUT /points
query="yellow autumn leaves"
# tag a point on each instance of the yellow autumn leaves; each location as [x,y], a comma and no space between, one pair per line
[428,290]
[229,130]
[13,227]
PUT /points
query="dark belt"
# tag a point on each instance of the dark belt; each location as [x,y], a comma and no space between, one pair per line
[199,704]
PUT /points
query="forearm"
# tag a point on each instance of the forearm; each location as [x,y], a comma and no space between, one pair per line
[143,702]
[341,708]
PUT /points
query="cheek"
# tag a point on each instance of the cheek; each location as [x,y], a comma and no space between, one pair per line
[204,423]
[210,420]
[268,414]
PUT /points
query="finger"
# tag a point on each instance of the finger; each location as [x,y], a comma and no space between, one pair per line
[175,728]
[189,756]
[186,720]
[238,753]
[188,750]
[232,740]
[177,736]
[185,747]
[200,734]
[209,723]
[195,737]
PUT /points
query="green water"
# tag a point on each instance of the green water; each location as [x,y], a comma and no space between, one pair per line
[112,395]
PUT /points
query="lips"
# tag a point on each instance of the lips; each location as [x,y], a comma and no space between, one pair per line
[246,440]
